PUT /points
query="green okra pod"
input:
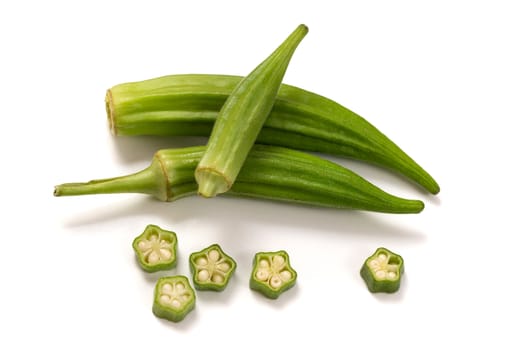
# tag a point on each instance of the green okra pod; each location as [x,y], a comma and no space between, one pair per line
[188,105]
[242,117]
[269,172]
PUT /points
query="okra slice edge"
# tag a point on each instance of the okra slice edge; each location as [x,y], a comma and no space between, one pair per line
[272,273]
[382,271]
[211,268]
[156,249]
[174,298]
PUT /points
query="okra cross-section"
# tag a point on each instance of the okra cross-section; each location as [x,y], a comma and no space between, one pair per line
[382,271]
[272,273]
[156,249]
[174,298]
[211,268]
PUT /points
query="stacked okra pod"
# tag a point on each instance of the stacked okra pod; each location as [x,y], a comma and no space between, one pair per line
[239,112]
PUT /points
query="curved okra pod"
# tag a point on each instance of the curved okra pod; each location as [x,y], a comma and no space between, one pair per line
[173,298]
[272,274]
[241,118]
[188,105]
[211,268]
[382,271]
[269,172]
[156,249]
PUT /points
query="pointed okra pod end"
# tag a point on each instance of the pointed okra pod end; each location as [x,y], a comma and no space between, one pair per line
[272,274]
[156,249]
[242,117]
[211,268]
[382,271]
[174,298]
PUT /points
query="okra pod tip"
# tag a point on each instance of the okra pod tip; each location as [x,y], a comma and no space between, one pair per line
[241,118]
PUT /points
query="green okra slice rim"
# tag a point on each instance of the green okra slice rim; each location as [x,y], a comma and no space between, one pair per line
[382,271]
[173,298]
[272,273]
[156,249]
[211,268]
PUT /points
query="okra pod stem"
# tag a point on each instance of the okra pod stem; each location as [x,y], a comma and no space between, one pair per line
[242,117]
[188,105]
[269,172]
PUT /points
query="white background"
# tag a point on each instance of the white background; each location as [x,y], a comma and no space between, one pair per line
[445,80]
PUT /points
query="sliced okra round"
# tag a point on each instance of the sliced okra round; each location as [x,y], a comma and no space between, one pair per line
[156,249]
[382,271]
[272,274]
[211,268]
[174,298]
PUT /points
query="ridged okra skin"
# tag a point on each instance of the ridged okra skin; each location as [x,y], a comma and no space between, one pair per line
[269,172]
[241,118]
[188,105]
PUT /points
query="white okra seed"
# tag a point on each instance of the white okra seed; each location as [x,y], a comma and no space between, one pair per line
[381,274]
[203,275]
[285,275]
[180,287]
[264,263]
[175,303]
[278,260]
[164,299]
[153,257]
[143,245]
[214,255]
[165,253]
[275,281]
[167,288]
[217,278]
[202,261]
[262,274]
[223,267]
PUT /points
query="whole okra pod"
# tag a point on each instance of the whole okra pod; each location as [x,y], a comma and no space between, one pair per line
[242,117]
[188,105]
[269,172]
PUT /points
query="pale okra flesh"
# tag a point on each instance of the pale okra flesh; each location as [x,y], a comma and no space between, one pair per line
[272,273]
[241,118]
[269,172]
[173,298]
[188,105]
[211,268]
